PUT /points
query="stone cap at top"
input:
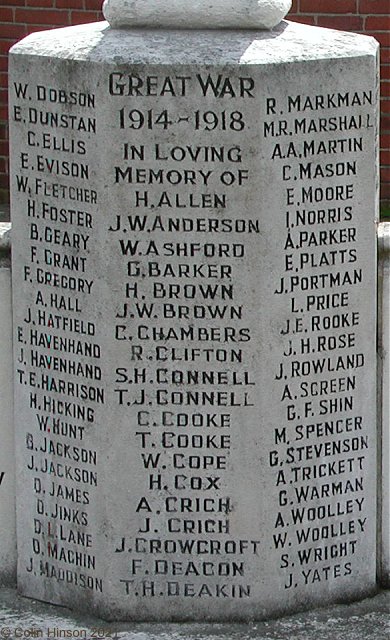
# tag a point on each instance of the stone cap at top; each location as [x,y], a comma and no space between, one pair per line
[196,14]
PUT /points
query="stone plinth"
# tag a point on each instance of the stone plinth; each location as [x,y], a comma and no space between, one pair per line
[195,291]
[7,454]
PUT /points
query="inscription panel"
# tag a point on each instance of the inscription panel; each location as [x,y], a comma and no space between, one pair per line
[195,361]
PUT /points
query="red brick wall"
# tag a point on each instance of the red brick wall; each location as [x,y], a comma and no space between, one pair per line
[21,17]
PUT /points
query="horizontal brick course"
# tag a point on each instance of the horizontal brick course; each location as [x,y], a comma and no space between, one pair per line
[385,71]
[385,122]
[344,23]
[40,4]
[3,112]
[385,88]
[83,17]
[94,5]
[326,6]
[14,31]
[385,55]
[6,15]
[377,23]
[3,149]
[305,19]
[3,163]
[385,174]
[372,6]
[385,157]
[12,3]
[42,16]
[5,46]
[385,141]
[67,4]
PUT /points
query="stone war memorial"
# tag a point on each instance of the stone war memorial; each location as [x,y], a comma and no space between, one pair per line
[194,196]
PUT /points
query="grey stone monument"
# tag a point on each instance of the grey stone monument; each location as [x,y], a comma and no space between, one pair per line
[194,290]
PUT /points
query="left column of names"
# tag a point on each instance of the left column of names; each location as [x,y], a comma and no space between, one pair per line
[57,350]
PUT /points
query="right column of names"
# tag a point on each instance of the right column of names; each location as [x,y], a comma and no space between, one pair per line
[320,456]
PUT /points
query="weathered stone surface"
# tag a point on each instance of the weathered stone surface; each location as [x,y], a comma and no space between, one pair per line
[194,263]
[7,454]
[367,619]
[198,14]
[384,395]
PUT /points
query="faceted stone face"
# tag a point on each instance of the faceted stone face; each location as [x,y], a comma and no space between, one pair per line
[199,14]
[194,294]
